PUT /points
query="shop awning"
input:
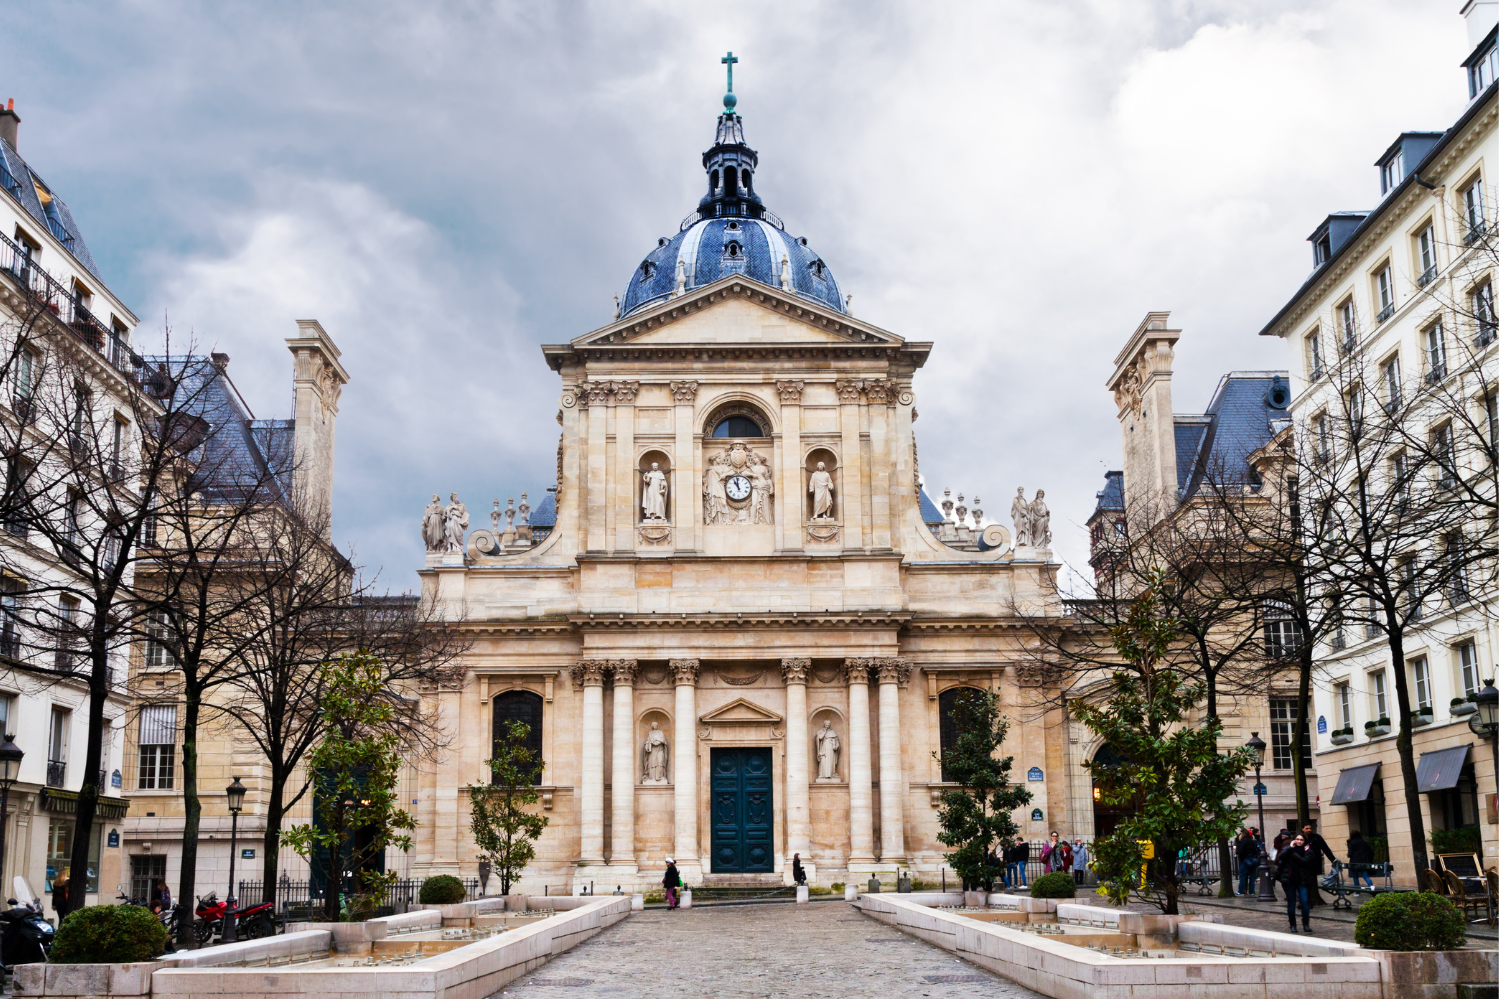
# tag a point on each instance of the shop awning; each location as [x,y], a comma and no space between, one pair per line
[1439,770]
[1354,784]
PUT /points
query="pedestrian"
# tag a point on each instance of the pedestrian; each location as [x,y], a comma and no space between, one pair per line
[1360,857]
[1247,849]
[1079,861]
[797,874]
[992,866]
[1296,871]
[1318,848]
[672,881]
[161,897]
[1022,860]
[1051,855]
[60,894]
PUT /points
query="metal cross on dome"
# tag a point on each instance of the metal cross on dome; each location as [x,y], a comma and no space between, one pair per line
[729,60]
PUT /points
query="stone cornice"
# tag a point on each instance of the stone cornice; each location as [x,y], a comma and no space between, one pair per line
[795,619]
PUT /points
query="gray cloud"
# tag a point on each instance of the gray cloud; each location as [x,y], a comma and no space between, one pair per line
[448,186]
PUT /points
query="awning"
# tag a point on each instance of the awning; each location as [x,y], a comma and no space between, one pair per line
[1439,770]
[1354,784]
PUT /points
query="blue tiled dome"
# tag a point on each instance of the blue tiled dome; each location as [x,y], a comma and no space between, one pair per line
[717,247]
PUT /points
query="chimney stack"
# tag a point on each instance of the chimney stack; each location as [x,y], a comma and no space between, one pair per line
[8,122]
[220,361]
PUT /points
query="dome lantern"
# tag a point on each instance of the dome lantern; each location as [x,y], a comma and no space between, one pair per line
[730,164]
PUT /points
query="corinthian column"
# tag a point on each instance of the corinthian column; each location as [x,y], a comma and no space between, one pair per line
[893,673]
[684,753]
[860,793]
[798,800]
[622,832]
[589,674]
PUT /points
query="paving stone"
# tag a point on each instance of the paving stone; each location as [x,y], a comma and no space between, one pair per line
[761,952]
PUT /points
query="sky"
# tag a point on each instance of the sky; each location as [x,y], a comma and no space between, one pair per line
[448,185]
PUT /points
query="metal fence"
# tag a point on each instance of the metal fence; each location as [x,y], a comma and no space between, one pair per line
[305,900]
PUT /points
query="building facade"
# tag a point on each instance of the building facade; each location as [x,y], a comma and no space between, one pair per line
[1397,317]
[737,640]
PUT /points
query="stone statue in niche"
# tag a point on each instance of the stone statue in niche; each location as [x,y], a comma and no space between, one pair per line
[738,487]
[653,493]
[653,756]
[1020,513]
[457,523]
[434,525]
[1040,520]
[821,488]
[827,752]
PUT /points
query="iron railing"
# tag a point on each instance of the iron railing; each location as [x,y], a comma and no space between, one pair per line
[304,900]
[57,773]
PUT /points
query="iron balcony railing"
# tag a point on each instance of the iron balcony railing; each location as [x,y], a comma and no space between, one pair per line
[1427,276]
[1476,229]
[9,182]
[50,294]
[1385,313]
[57,773]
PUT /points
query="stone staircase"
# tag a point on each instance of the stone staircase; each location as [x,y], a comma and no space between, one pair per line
[740,886]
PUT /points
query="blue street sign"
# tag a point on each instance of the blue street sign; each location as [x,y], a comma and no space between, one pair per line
[1261,789]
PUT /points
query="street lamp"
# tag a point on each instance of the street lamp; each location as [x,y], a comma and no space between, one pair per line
[236,794]
[1485,721]
[1267,886]
[10,768]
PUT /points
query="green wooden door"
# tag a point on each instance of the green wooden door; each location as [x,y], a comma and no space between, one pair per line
[743,833]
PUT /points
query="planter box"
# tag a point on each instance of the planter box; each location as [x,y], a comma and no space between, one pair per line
[1419,718]
[1465,708]
[1377,732]
[1342,738]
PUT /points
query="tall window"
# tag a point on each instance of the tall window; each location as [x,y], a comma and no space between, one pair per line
[1324,437]
[67,633]
[1481,71]
[1280,629]
[10,618]
[1392,383]
[72,530]
[1473,210]
[1345,705]
[117,448]
[1355,401]
[158,747]
[1283,732]
[1314,354]
[1436,351]
[1426,255]
[1400,479]
[525,707]
[7,714]
[1377,688]
[1491,411]
[947,726]
[1348,321]
[1455,548]
[25,384]
[17,497]
[1467,667]
[83,417]
[158,650]
[1385,291]
[1421,674]
[1410,588]
[1482,303]
[1446,455]
[57,747]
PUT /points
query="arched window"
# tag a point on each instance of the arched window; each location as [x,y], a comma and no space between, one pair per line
[731,250]
[730,181]
[525,707]
[750,190]
[1106,817]
[713,182]
[738,426]
[948,726]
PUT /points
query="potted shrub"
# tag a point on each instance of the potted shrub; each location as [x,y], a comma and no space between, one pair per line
[1421,716]
[1464,706]
[1377,729]
[1342,736]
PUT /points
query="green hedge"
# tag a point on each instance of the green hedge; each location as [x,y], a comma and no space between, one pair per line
[1409,920]
[109,934]
[1057,884]
[1455,840]
[442,889]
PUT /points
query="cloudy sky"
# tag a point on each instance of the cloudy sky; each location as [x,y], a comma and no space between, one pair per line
[447,185]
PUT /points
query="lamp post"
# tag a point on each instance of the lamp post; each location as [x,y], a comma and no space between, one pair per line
[1267,886]
[10,768]
[236,794]
[1485,721]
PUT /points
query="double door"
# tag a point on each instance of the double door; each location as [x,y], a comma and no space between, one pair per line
[742,816]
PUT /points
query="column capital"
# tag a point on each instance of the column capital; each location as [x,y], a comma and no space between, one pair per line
[623,670]
[857,670]
[795,670]
[848,389]
[683,393]
[790,392]
[625,392]
[685,671]
[878,390]
[590,672]
[893,670]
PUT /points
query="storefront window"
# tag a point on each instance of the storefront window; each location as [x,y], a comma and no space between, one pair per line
[60,850]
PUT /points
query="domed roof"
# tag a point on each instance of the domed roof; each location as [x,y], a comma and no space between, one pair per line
[718,247]
[731,232]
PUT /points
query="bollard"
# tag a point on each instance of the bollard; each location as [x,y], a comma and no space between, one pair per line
[874,884]
[686,898]
[850,892]
[637,902]
[802,895]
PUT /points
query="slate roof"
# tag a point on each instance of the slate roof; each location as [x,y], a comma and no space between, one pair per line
[54,216]
[545,513]
[931,515]
[1239,421]
[1111,496]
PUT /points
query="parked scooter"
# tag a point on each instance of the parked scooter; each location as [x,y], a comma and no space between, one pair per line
[25,935]
[252,923]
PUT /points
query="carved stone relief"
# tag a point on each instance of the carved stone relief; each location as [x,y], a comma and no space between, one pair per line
[738,487]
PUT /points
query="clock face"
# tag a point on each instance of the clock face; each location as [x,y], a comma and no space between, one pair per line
[738,487]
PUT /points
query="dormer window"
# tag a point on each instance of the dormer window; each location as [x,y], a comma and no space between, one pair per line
[731,250]
[1321,250]
[1392,171]
[1482,68]
[646,270]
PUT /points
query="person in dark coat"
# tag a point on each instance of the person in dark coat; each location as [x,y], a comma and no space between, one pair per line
[1022,858]
[1296,870]
[1360,857]
[1318,848]
[60,894]
[1247,848]
[797,874]
[672,882]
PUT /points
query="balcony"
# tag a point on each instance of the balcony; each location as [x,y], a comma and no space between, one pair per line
[1385,313]
[1486,333]
[1427,276]
[1476,229]
[57,773]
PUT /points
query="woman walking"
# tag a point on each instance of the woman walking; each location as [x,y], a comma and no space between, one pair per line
[1297,873]
[672,881]
[1079,861]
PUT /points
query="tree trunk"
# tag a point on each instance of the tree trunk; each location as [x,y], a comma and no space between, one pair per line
[1225,861]
[192,812]
[274,813]
[88,793]
[1419,861]
[1303,722]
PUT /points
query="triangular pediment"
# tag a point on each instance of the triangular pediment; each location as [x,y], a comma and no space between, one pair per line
[736,311]
[740,711]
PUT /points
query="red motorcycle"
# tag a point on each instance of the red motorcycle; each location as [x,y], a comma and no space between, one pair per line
[251,923]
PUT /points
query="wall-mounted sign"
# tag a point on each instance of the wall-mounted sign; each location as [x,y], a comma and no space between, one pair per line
[114,838]
[114,779]
[247,855]
[1321,724]
[1261,789]
[1035,815]
[1034,773]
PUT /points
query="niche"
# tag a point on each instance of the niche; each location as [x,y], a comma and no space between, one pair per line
[657,479]
[653,761]
[835,764]
[810,500]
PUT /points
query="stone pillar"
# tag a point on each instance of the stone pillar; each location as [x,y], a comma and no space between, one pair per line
[893,674]
[589,674]
[860,791]
[596,394]
[626,474]
[880,480]
[622,832]
[684,754]
[687,494]
[798,798]
[852,459]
